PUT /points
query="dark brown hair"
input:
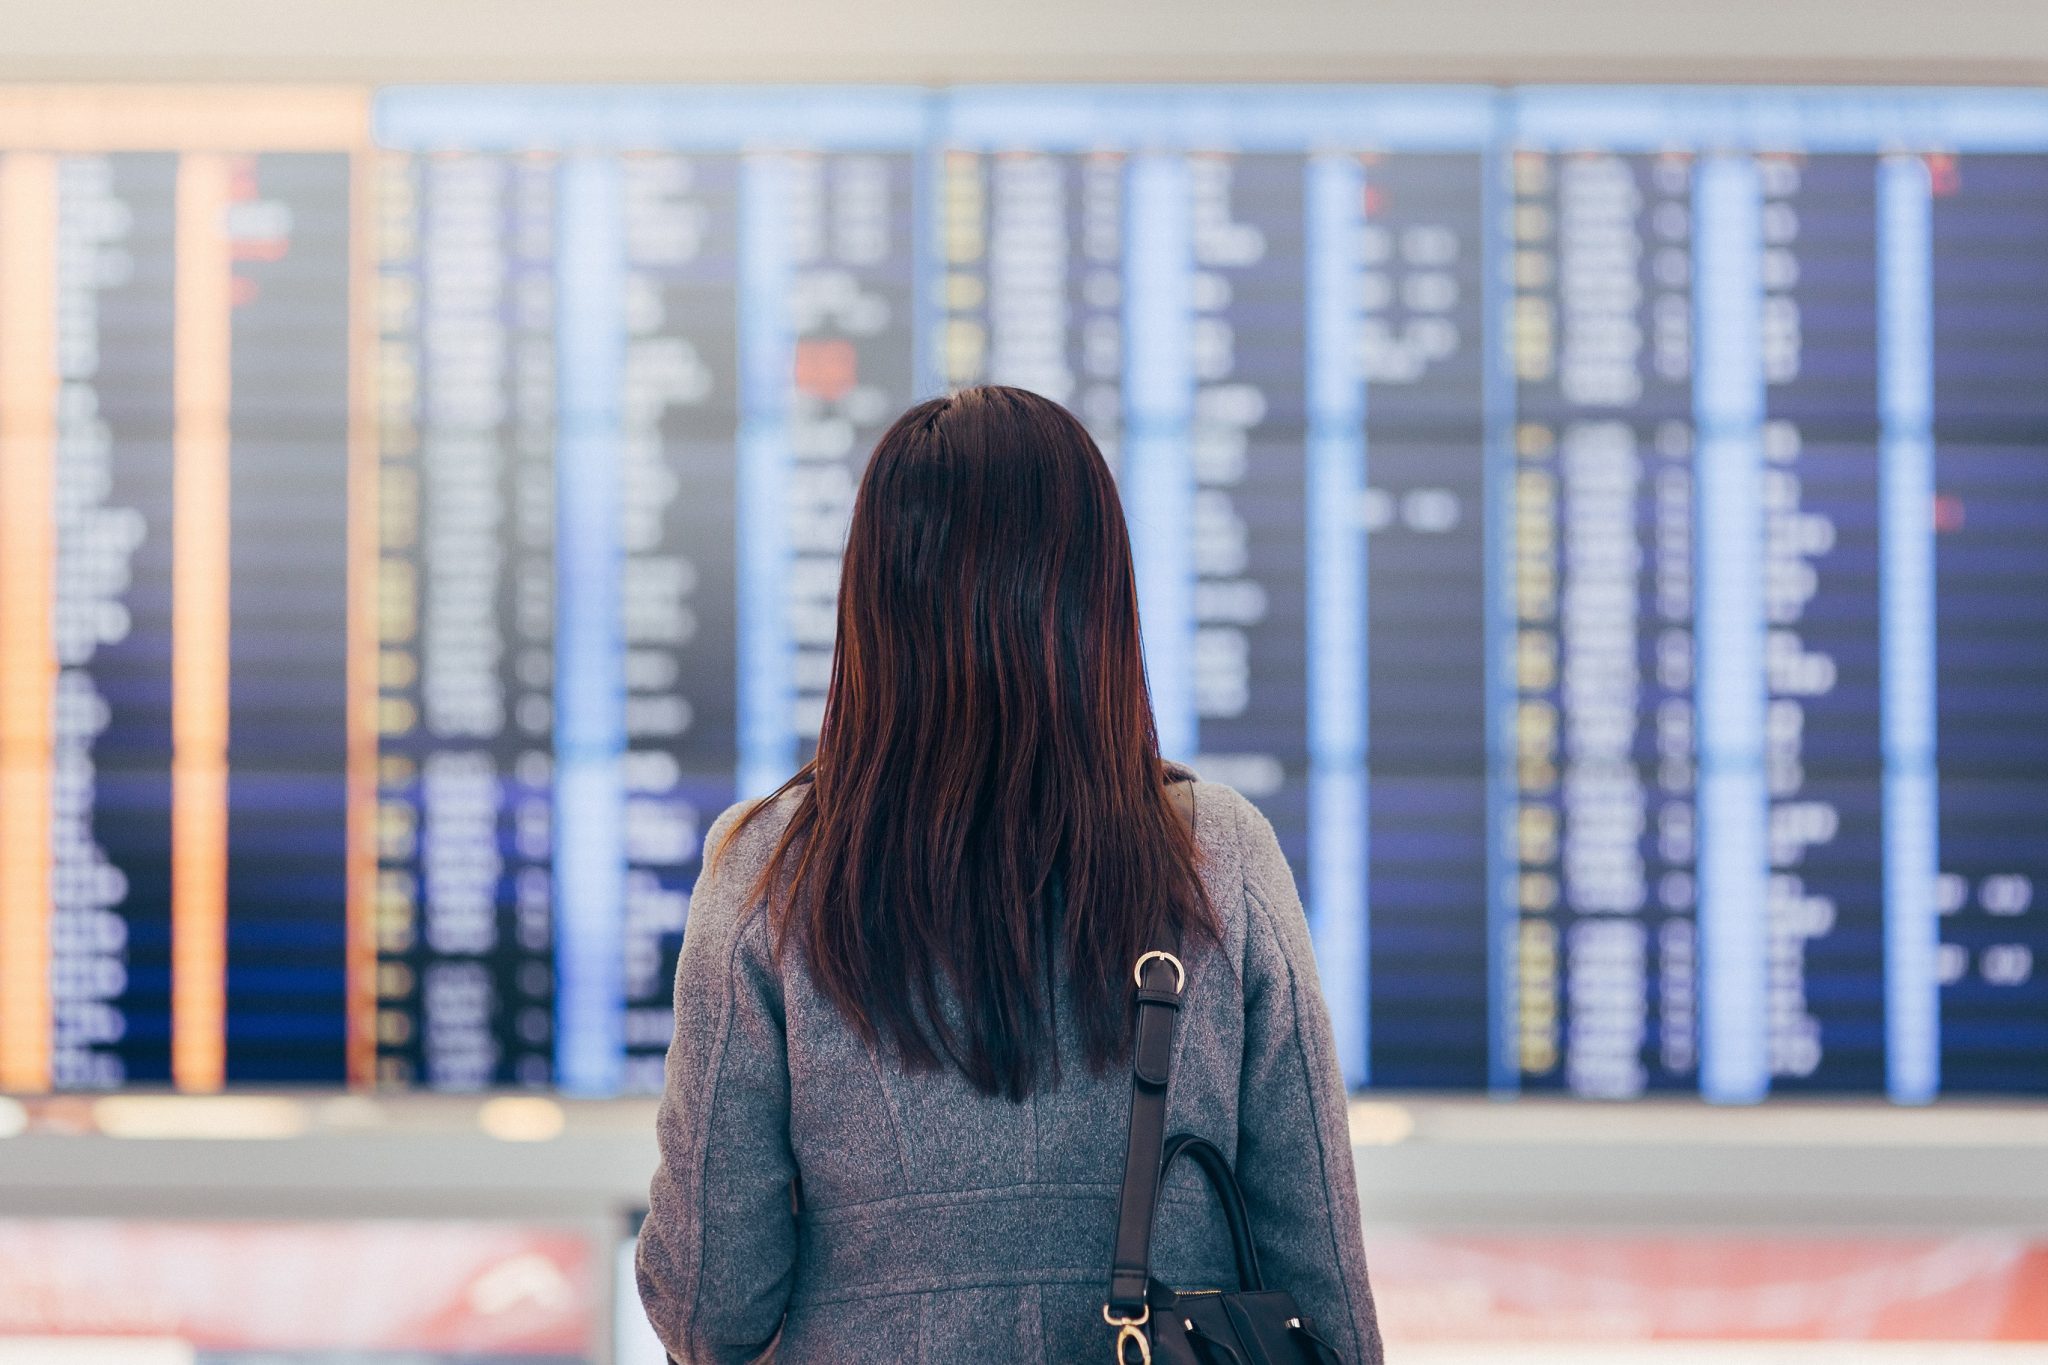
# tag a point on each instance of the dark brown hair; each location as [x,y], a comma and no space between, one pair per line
[988,802]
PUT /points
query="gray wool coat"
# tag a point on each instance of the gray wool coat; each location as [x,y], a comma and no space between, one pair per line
[940,1225]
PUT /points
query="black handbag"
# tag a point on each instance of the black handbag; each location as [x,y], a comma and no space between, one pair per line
[1155,1325]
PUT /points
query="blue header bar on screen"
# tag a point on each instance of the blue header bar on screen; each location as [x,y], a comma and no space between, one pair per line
[1734,118]
[653,118]
[1218,118]
[1196,118]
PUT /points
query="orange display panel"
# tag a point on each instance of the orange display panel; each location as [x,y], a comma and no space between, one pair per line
[28,396]
[200,606]
[182,383]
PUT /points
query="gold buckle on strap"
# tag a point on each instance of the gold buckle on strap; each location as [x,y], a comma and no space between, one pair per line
[1127,1328]
[1180,973]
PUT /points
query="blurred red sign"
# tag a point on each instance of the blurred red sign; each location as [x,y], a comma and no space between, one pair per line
[1969,1287]
[356,1286]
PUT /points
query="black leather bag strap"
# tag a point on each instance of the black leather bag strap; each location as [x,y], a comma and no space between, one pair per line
[1158,978]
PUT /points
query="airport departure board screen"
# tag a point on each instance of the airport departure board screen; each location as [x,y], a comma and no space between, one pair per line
[1605,531]
[177,351]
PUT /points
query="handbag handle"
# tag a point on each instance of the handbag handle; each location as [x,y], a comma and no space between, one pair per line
[1223,1181]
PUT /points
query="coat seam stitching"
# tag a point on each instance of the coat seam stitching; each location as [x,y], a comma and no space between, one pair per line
[701,1155]
[1301,1055]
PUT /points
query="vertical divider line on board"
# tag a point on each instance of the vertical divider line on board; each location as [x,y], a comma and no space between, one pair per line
[767,655]
[590,691]
[1503,899]
[28,649]
[1338,886]
[201,621]
[928,268]
[364,567]
[1906,630]
[1734,802]
[1158,475]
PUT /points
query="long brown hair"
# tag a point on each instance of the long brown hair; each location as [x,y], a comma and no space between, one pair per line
[988,801]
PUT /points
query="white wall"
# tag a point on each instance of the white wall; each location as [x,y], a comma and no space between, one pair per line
[1984,41]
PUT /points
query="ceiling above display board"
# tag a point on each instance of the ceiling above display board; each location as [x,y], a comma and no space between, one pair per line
[938,41]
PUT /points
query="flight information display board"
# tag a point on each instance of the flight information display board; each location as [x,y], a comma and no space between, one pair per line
[1777,820]
[1605,530]
[1252,307]
[177,355]
[635,349]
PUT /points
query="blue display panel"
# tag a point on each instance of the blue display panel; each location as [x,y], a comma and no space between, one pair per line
[656,334]
[1775,443]
[1986,770]
[1589,522]
[1268,306]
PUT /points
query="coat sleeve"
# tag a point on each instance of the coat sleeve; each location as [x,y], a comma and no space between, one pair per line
[718,1250]
[1294,1137]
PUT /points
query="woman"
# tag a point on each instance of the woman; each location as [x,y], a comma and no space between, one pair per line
[896,1111]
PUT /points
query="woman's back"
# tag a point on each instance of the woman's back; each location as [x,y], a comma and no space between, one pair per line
[899,1087]
[940,1223]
